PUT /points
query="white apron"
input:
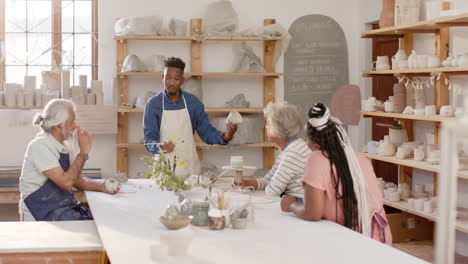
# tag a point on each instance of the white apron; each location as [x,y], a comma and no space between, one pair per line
[176,124]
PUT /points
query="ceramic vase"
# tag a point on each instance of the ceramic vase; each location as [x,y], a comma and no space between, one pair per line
[399,95]
[387,17]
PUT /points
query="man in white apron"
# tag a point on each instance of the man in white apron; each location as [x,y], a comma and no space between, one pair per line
[171,118]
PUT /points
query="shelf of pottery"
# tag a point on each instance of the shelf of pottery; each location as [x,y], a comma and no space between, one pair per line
[54,85]
[130,65]
[408,102]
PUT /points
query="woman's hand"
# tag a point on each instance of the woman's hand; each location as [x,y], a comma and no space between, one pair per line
[286,202]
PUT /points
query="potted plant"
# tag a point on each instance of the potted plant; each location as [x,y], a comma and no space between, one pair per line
[163,172]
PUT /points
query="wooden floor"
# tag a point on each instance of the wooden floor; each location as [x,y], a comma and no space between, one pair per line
[425,250]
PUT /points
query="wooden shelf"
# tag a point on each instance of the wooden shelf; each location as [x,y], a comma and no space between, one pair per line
[203,145]
[420,71]
[403,206]
[421,27]
[253,110]
[264,74]
[20,108]
[212,38]
[408,117]
[413,164]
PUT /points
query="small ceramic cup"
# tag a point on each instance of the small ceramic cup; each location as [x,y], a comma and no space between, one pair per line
[428,206]
[419,204]
[411,202]
[430,110]
[389,107]
[447,111]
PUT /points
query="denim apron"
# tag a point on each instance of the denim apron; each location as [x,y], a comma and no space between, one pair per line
[51,203]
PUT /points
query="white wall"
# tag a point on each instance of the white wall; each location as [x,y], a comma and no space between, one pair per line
[423,44]
[217,56]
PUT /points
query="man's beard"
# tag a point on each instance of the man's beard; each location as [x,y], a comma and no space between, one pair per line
[172,93]
[69,140]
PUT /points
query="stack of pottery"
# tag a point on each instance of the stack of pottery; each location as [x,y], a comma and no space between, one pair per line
[400,60]
[420,192]
[398,135]
[433,157]
[399,98]
[382,63]
[372,105]
[386,148]
[419,100]
[405,192]
[381,184]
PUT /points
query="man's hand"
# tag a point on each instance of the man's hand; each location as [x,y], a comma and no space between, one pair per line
[84,141]
[286,202]
[230,131]
[167,146]
[105,190]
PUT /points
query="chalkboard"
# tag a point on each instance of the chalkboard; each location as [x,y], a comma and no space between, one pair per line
[316,62]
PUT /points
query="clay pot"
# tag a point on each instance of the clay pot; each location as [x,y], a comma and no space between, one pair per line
[399,95]
[387,17]
[398,136]
[386,148]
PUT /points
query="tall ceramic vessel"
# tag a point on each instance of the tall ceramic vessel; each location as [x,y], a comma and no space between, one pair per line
[387,17]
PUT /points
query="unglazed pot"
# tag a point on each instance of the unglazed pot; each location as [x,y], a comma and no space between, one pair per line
[386,148]
[387,17]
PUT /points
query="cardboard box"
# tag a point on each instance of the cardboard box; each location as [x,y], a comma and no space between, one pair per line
[407,227]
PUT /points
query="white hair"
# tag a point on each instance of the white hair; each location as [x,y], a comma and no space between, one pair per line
[283,120]
[55,113]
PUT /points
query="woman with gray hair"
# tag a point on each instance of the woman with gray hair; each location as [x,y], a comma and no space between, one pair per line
[47,178]
[283,126]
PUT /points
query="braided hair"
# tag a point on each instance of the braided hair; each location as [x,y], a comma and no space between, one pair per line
[322,130]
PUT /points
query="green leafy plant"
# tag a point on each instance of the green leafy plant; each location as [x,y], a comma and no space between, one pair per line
[163,173]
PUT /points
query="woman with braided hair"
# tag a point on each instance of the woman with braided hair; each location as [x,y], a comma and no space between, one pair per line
[339,185]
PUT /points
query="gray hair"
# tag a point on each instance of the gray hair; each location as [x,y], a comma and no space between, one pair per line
[55,113]
[283,120]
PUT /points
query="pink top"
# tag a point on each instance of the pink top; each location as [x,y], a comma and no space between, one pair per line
[317,174]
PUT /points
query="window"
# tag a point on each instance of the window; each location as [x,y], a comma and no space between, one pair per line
[48,35]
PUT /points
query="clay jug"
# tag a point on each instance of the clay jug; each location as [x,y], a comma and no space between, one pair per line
[387,17]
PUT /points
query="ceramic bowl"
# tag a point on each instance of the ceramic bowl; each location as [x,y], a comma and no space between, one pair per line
[239,223]
[178,223]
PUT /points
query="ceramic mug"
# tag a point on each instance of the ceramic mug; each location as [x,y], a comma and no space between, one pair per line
[428,206]
[419,204]
[430,110]
[383,59]
[389,107]
[394,197]
[411,202]
[447,111]
[380,66]
[418,155]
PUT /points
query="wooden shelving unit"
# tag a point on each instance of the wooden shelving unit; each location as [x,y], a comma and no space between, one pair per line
[203,145]
[420,71]
[19,108]
[407,117]
[422,165]
[196,43]
[221,110]
[403,206]
[199,74]
[195,38]
[432,26]
[440,28]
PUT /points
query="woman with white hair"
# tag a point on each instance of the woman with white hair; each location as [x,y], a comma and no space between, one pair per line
[283,125]
[47,177]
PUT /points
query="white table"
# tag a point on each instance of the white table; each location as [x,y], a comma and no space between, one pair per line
[128,228]
[54,242]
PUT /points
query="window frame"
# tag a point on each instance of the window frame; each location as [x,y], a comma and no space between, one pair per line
[56,57]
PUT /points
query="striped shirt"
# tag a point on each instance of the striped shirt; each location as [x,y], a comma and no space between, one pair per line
[286,175]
